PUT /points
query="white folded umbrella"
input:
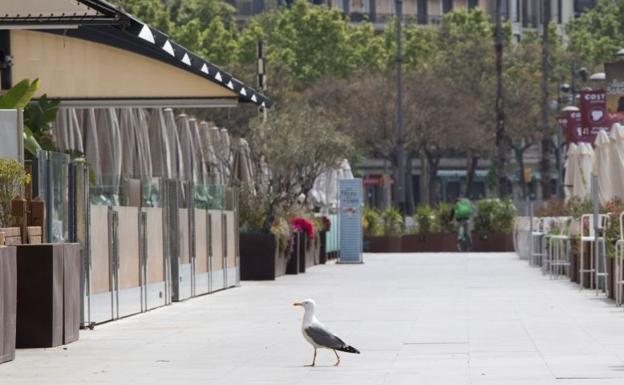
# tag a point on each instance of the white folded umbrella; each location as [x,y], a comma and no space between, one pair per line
[571,169]
[617,160]
[601,166]
[582,178]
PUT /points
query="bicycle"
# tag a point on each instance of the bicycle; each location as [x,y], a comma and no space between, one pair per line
[464,243]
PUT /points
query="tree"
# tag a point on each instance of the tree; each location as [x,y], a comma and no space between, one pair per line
[598,33]
[501,148]
[295,146]
[523,99]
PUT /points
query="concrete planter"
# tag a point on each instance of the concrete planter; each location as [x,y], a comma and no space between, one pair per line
[48,295]
[8,303]
[260,258]
[492,242]
[429,242]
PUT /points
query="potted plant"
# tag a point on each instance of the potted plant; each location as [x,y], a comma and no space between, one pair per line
[382,230]
[326,227]
[263,254]
[12,181]
[494,225]
[305,228]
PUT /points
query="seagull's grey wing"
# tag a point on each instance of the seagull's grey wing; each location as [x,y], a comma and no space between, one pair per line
[324,337]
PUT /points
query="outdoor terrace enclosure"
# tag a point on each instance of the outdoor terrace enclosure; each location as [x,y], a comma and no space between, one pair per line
[131,258]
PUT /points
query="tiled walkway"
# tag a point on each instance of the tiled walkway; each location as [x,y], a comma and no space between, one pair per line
[430,319]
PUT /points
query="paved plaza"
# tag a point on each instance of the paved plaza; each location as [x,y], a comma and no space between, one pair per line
[431,319]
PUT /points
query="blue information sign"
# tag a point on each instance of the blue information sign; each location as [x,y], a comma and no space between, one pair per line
[350,207]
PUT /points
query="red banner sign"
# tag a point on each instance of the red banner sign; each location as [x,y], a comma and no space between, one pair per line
[571,123]
[593,114]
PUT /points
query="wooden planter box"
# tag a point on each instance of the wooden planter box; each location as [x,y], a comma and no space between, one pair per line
[294,262]
[611,277]
[8,303]
[492,242]
[574,261]
[323,247]
[48,295]
[260,258]
[383,244]
[308,253]
[429,242]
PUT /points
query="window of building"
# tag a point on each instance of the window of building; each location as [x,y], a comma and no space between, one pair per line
[422,12]
[581,6]
[473,3]
[447,6]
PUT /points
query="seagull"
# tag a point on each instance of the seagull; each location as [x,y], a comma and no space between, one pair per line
[318,335]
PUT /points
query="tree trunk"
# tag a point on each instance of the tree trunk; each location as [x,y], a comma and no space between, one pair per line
[424,177]
[433,160]
[409,186]
[501,147]
[472,161]
[395,179]
[519,153]
[545,163]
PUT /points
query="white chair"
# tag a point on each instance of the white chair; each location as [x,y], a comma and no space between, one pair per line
[537,235]
[588,235]
[619,264]
[558,258]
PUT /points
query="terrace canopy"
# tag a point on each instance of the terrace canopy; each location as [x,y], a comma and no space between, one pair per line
[90,54]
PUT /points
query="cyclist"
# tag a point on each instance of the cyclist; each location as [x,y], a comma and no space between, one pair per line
[462,211]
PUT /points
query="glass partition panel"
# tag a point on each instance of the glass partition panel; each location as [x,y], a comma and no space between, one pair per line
[50,183]
[209,197]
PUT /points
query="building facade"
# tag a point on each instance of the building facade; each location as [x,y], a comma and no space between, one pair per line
[523,14]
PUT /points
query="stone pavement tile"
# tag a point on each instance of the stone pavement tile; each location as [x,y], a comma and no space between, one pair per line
[433,319]
[506,367]
[586,366]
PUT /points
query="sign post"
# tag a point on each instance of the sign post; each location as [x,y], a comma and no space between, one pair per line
[350,217]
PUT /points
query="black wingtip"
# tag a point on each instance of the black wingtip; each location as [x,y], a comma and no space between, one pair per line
[350,349]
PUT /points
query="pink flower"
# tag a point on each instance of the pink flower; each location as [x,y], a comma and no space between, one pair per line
[303,225]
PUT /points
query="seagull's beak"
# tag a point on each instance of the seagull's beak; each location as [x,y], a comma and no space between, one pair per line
[297,304]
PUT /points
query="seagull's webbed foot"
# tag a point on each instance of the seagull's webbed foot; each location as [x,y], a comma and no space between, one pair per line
[313,360]
[337,358]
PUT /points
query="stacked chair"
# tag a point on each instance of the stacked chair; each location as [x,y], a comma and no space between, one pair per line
[597,251]
[557,258]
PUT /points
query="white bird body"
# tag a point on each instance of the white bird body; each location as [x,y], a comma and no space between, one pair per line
[318,335]
[310,320]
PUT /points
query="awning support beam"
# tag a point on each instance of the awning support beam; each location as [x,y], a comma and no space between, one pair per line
[6,61]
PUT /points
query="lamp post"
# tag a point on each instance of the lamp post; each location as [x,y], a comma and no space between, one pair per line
[560,146]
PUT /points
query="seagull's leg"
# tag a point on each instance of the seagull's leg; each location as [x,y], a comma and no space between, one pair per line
[337,358]
[313,359]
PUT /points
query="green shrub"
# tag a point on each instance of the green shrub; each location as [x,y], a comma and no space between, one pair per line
[495,216]
[13,178]
[425,219]
[505,216]
[392,222]
[371,222]
[443,214]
